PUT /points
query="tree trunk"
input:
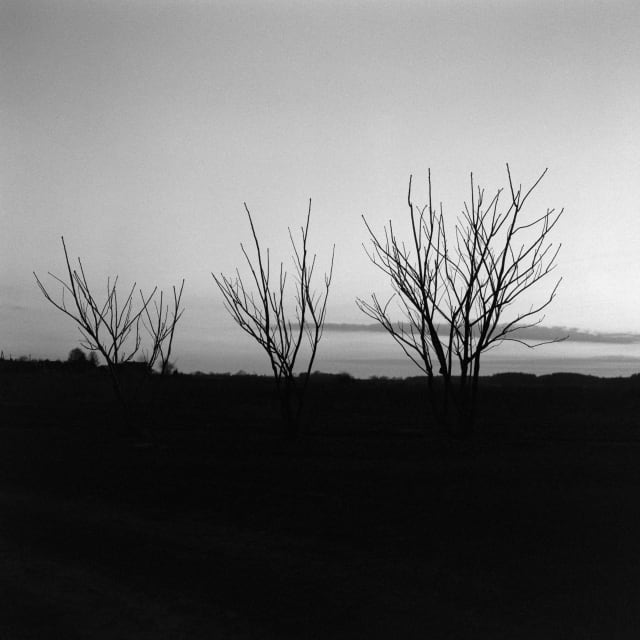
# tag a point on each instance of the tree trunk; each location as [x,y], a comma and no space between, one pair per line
[466,405]
[289,414]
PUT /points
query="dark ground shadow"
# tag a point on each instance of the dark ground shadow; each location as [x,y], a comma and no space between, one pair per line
[372,525]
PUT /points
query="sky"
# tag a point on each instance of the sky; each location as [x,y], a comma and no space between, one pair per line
[138,129]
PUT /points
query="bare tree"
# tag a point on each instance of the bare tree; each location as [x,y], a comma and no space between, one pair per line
[161,328]
[454,295]
[111,327]
[262,313]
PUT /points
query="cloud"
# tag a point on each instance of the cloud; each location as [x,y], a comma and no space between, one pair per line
[534,334]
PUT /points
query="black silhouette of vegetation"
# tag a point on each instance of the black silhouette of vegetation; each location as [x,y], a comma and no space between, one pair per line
[454,294]
[110,327]
[262,313]
[161,326]
[77,355]
[79,358]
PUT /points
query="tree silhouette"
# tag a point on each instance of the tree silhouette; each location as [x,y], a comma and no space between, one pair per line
[77,356]
[454,294]
[110,327]
[262,313]
[161,327]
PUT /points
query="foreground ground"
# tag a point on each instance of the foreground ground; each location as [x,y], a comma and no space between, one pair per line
[370,526]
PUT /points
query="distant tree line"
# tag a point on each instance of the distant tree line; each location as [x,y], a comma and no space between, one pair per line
[77,360]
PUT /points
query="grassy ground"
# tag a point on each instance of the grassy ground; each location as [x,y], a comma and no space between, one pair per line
[370,526]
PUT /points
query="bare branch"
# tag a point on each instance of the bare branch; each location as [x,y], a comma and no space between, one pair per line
[161,326]
[261,311]
[111,327]
[453,295]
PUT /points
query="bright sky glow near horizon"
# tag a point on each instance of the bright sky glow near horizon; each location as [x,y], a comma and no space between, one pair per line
[137,130]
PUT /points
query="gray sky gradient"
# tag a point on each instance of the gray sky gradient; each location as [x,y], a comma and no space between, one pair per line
[137,129]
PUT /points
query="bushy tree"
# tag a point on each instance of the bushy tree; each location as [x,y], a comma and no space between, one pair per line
[77,356]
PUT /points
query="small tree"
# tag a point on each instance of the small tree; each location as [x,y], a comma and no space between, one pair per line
[161,327]
[454,295]
[77,356]
[111,327]
[262,314]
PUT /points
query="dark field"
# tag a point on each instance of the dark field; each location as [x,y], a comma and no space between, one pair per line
[371,525]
